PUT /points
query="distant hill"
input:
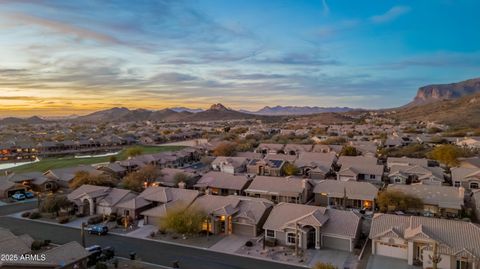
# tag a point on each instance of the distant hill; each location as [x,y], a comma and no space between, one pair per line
[14,120]
[461,112]
[298,110]
[186,109]
[216,112]
[437,92]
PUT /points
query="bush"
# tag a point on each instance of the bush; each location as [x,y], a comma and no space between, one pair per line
[95,220]
[249,244]
[35,215]
[63,220]
[112,217]
[101,265]
[38,244]
[26,214]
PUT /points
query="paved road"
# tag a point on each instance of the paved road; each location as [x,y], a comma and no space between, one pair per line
[148,251]
[17,207]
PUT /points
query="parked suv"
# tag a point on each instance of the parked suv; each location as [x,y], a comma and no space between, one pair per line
[98,229]
[18,196]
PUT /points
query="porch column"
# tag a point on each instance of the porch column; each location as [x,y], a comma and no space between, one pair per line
[410,250]
[317,237]
[92,207]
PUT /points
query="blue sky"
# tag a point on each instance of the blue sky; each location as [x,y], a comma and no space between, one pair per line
[78,56]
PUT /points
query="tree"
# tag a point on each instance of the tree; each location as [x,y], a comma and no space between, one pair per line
[290,169]
[54,203]
[183,221]
[134,151]
[112,159]
[181,177]
[447,154]
[225,149]
[138,180]
[84,177]
[321,265]
[390,201]
[349,151]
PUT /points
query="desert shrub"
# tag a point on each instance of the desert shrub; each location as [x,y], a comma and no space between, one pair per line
[35,215]
[95,220]
[249,244]
[38,244]
[112,217]
[26,214]
[63,220]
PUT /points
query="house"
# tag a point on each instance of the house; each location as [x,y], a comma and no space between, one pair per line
[9,187]
[68,256]
[315,165]
[168,178]
[34,181]
[412,238]
[469,178]
[405,161]
[233,214]
[266,167]
[345,194]
[92,200]
[113,169]
[249,155]
[327,148]
[163,200]
[315,227]
[359,168]
[265,148]
[469,142]
[296,149]
[218,183]
[437,200]
[231,165]
[407,174]
[471,162]
[366,148]
[290,190]
[63,176]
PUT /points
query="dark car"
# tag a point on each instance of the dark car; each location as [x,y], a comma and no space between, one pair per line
[98,230]
[29,194]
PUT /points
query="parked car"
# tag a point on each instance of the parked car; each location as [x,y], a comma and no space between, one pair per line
[18,196]
[29,195]
[98,230]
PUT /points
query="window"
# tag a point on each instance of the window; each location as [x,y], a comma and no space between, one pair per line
[291,238]
[398,180]
[270,233]
[473,185]
[456,184]
[372,176]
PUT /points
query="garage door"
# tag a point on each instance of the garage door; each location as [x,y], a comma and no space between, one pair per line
[243,229]
[336,243]
[394,251]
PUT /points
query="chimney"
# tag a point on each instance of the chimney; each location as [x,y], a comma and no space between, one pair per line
[461,192]
[181,185]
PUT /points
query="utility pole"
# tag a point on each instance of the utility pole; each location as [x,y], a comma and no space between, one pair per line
[82,233]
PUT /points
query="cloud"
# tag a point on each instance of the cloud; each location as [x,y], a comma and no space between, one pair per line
[326,8]
[391,14]
[64,28]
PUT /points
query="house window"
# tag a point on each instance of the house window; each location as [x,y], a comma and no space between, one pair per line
[456,184]
[270,233]
[291,238]
[372,176]
[473,185]
[398,180]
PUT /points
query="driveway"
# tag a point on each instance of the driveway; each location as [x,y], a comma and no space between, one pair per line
[382,262]
[335,257]
[230,243]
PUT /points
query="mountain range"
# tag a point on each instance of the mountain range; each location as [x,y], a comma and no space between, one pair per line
[437,92]
[297,110]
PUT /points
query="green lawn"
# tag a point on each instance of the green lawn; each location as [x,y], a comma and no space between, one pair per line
[53,163]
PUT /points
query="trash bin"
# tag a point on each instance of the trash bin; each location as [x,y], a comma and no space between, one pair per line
[132,255]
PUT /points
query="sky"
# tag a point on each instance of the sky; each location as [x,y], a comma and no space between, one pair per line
[75,57]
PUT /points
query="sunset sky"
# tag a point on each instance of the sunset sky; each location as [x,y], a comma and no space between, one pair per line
[73,57]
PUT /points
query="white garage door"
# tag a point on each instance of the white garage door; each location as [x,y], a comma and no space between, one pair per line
[336,243]
[394,251]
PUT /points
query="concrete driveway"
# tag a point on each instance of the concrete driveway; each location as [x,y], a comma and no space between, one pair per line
[230,243]
[382,262]
[335,257]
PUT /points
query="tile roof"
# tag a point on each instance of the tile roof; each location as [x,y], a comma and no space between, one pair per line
[442,196]
[353,189]
[278,185]
[214,179]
